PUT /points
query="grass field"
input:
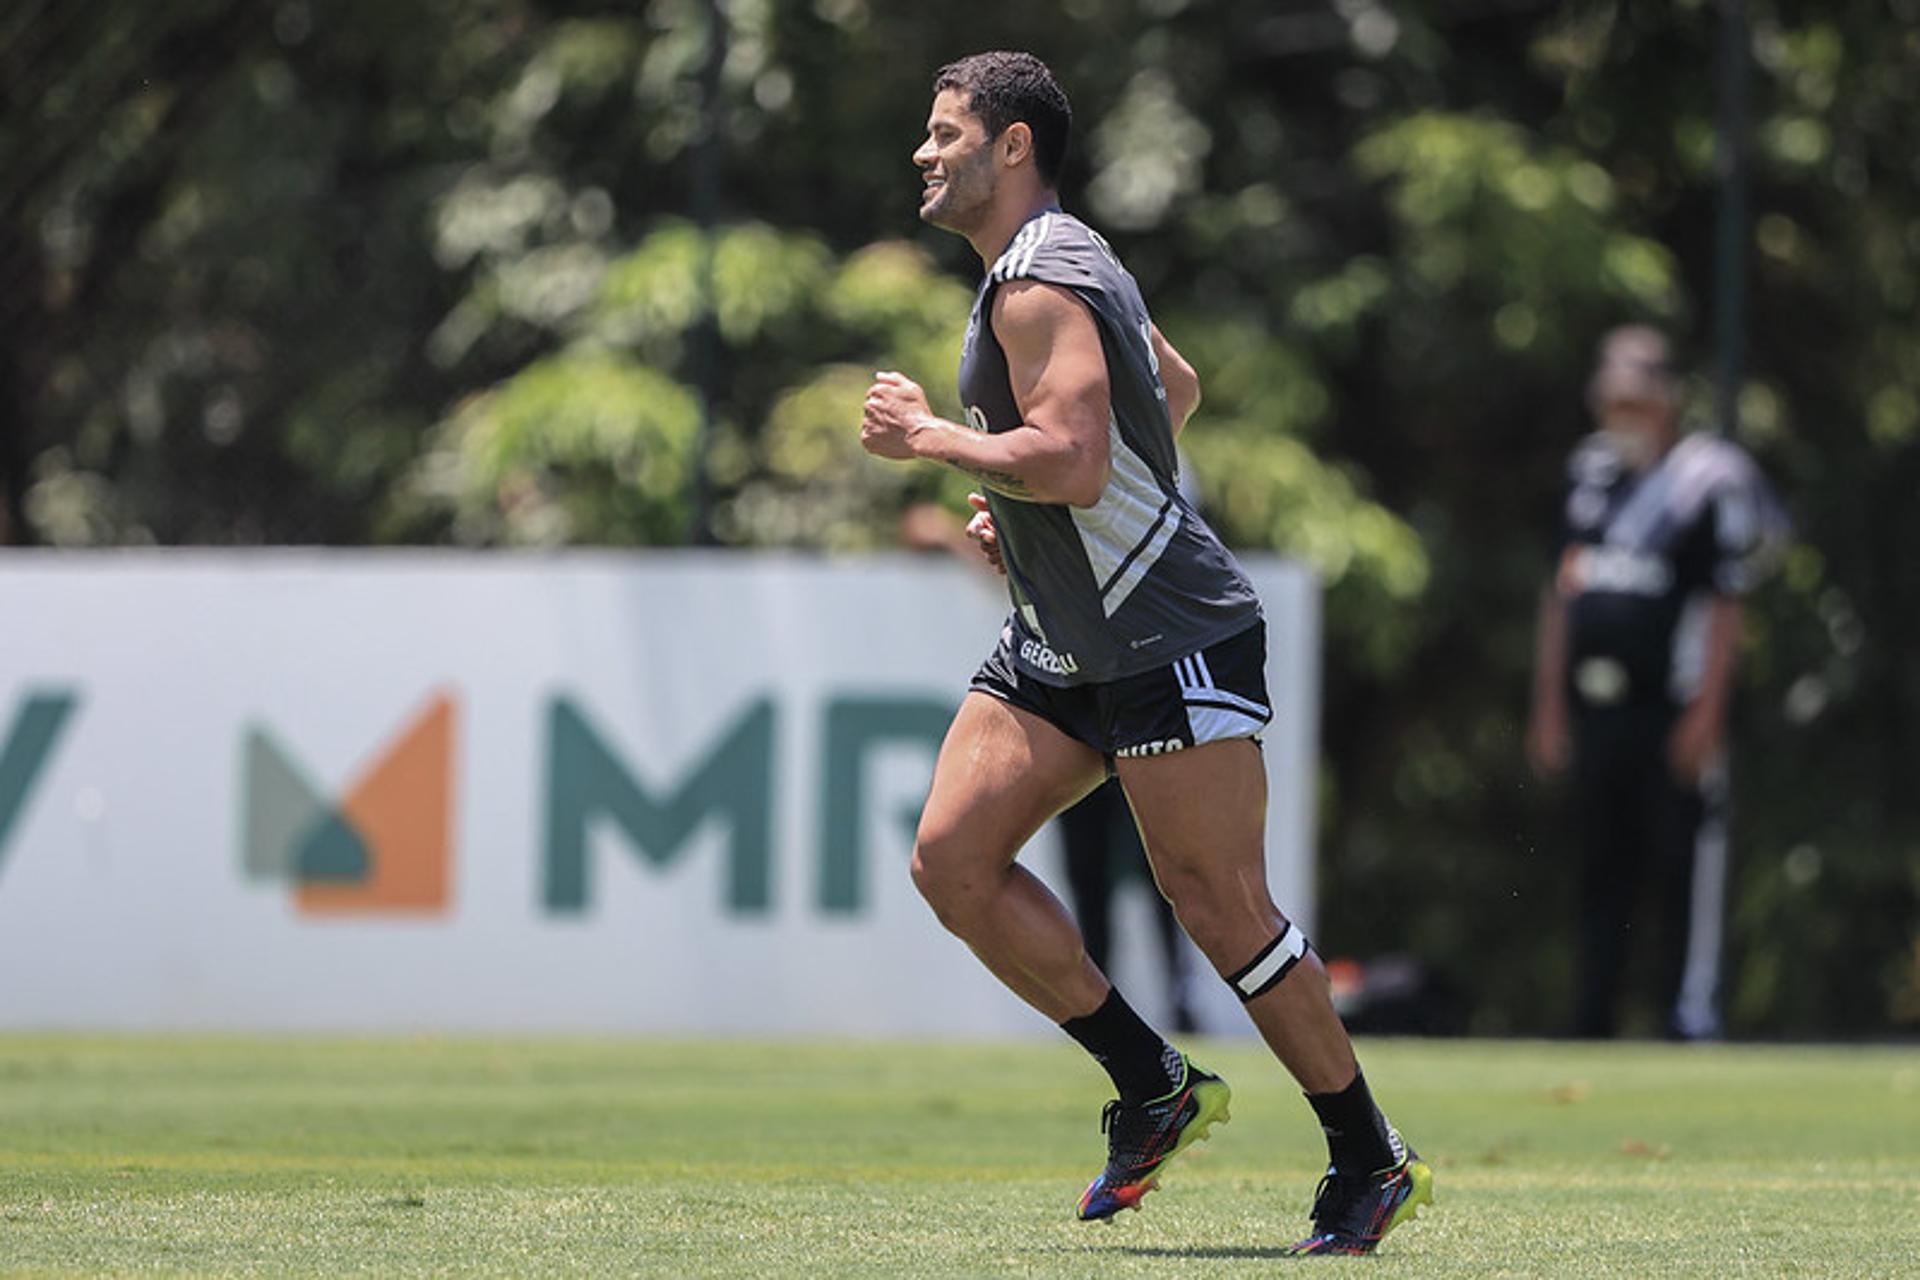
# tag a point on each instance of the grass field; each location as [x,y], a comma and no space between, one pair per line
[401,1157]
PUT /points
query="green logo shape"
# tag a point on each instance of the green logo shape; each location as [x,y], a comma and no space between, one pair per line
[30,742]
[291,831]
[333,851]
[855,728]
[733,784]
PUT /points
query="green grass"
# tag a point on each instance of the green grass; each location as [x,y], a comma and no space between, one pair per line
[398,1157]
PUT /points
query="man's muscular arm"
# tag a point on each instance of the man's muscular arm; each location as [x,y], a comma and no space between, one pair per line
[1700,736]
[1549,742]
[1058,370]
[1178,377]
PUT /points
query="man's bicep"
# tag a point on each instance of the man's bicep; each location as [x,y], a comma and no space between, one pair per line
[1055,361]
[1168,356]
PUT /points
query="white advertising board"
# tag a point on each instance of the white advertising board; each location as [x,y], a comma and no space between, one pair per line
[599,792]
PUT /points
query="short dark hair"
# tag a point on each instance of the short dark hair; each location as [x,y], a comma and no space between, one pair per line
[1003,87]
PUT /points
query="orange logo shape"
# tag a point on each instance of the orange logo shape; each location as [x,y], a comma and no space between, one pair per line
[385,848]
[402,808]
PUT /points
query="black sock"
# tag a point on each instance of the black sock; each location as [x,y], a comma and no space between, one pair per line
[1359,1139]
[1143,1065]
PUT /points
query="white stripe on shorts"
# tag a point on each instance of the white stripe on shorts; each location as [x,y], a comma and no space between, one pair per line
[1215,724]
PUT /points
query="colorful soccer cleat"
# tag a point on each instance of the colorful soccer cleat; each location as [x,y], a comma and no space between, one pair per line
[1141,1139]
[1352,1213]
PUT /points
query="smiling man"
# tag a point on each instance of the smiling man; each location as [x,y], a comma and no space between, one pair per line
[1135,646]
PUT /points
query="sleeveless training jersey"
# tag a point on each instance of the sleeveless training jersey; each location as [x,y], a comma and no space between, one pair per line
[1138,580]
[1641,555]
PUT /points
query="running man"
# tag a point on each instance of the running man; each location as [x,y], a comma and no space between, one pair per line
[1135,645]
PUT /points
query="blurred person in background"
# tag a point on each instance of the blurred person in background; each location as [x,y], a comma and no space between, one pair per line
[1637,644]
[1135,647]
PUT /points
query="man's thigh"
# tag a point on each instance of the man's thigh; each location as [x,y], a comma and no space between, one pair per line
[1202,816]
[1203,805]
[1002,772]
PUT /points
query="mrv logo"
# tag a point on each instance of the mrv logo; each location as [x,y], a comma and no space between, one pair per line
[733,784]
[385,843]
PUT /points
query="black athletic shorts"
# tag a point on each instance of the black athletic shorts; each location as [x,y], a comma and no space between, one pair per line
[1219,692]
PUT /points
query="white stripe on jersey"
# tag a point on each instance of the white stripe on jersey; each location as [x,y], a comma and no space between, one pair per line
[1149,556]
[1126,532]
[1023,261]
[1018,258]
[1000,264]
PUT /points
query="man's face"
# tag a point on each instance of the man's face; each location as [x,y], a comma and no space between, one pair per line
[1638,421]
[956,164]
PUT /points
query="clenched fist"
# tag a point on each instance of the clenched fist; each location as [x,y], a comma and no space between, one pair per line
[896,407]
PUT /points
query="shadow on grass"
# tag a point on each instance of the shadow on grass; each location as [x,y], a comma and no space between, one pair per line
[1244,1252]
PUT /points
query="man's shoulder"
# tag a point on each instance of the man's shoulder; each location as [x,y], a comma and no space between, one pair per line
[1711,471]
[1032,309]
[1711,457]
[1055,247]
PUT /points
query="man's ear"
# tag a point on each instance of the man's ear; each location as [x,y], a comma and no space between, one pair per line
[1016,143]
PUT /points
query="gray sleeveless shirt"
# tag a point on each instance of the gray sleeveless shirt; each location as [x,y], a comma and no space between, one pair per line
[1138,580]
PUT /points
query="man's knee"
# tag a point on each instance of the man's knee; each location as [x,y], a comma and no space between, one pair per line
[1200,894]
[1179,885]
[926,877]
[941,873]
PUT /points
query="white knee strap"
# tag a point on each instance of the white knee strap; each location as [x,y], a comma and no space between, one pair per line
[1275,961]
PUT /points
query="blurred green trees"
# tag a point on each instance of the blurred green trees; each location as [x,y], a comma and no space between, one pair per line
[430,273]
